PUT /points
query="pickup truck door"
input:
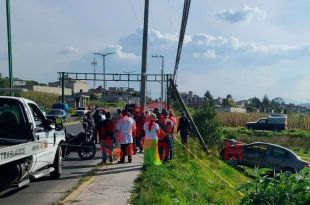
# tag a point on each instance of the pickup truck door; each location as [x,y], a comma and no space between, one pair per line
[42,132]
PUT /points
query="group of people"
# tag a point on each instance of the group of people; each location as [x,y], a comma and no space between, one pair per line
[151,133]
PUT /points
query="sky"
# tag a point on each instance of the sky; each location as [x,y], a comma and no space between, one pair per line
[245,48]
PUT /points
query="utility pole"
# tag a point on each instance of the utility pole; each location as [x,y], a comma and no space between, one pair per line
[62,87]
[162,76]
[94,63]
[144,55]
[8,23]
[103,67]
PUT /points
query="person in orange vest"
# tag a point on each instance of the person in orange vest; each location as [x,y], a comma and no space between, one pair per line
[166,130]
[172,118]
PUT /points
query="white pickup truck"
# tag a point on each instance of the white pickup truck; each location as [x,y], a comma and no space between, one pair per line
[30,145]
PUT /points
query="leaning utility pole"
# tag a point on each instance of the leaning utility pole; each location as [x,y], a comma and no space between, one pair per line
[8,23]
[144,55]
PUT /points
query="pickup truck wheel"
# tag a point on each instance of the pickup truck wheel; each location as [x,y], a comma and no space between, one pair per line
[57,164]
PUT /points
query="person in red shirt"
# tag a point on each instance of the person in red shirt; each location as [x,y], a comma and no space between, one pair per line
[166,130]
[173,119]
[139,118]
[106,138]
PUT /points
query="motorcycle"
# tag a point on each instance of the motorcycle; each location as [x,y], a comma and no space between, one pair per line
[83,143]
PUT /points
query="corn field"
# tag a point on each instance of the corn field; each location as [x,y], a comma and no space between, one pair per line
[301,122]
[45,100]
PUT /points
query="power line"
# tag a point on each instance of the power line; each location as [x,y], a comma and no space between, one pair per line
[170,14]
[134,13]
[181,37]
[152,19]
[140,5]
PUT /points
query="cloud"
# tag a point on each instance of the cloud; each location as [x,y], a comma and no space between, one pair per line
[209,54]
[155,35]
[69,50]
[242,53]
[122,55]
[204,49]
[223,65]
[245,14]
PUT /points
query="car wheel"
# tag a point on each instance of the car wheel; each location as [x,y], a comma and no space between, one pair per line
[57,165]
[232,162]
[222,154]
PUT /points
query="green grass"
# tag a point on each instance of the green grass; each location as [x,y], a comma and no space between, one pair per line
[186,180]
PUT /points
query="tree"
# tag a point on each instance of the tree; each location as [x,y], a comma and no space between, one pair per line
[228,101]
[207,123]
[208,97]
[266,103]
[4,83]
[255,102]
[277,105]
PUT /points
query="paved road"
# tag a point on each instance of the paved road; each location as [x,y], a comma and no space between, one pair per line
[46,191]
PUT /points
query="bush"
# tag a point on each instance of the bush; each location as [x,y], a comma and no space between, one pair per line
[208,124]
[281,189]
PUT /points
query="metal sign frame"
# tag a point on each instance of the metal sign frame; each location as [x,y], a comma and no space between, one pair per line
[111,77]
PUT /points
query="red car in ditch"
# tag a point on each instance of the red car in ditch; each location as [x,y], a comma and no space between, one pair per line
[263,155]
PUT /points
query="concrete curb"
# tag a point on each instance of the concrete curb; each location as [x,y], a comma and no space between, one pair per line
[71,197]
[72,123]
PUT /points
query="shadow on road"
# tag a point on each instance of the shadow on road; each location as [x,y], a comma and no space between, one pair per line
[9,192]
[79,166]
[118,170]
[79,159]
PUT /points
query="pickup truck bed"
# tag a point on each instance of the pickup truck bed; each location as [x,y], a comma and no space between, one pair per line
[15,152]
